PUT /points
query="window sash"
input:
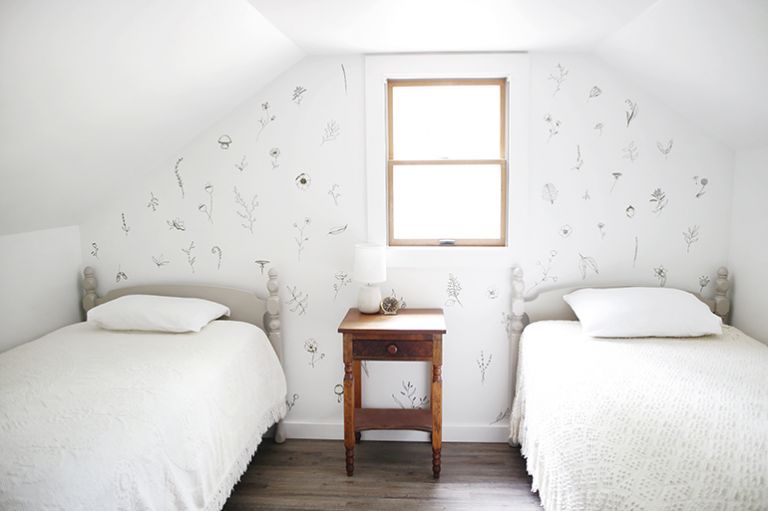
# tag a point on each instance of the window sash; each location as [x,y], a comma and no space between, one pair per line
[501,162]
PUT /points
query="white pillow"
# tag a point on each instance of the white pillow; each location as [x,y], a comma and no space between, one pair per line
[156,313]
[642,312]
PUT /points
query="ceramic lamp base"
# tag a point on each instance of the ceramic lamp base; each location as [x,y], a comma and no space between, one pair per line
[369,299]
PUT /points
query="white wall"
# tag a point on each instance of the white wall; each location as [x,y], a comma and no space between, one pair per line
[748,248]
[474,401]
[39,276]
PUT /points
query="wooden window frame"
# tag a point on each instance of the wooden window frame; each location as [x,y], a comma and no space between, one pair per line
[501,241]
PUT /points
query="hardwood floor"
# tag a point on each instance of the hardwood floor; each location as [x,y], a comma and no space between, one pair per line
[310,474]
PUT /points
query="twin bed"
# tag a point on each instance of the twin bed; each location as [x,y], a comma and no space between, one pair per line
[99,419]
[639,423]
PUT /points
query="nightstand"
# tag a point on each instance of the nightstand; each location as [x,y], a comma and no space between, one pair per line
[412,334]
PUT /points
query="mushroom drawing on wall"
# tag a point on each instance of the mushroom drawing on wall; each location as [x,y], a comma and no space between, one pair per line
[335,193]
[120,275]
[703,282]
[454,290]
[208,208]
[587,264]
[246,210]
[558,76]
[216,250]
[665,148]
[630,111]
[690,237]
[154,202]
[311,347]
[553,126]
[190,258]
[594,92]
[95,250]
[124,227]
[242,165]
[301,237]
[262,263]
[661,275]
[303,181]
[224,142]
[659,200]
[177,173]
[265,120]
[409,397]
[341,280]
[176,224]
[298,301]
[703,182]
[298,94]
[631,152]
[483,364]
[616,177]
[274,153]
[331,131]
[160,261]
[549,193]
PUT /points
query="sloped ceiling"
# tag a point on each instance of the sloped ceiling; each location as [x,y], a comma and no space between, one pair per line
[707,59]
[93,92]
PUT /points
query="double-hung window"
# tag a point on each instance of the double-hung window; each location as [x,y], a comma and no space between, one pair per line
[446,162]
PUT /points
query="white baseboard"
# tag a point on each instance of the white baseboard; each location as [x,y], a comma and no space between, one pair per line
[497,433]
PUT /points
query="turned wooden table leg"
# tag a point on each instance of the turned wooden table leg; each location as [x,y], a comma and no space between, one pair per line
[437,403]
[349,406]
[358,392]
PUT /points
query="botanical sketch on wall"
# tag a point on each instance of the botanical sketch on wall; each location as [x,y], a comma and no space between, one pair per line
[637,249]
[703,282]
[298,94]
[216,250]
[453,289]
[120,275]
[586,195]
[630,211]
[331,131]
[665,149]
[338,391]
[265,120]
[225,141]
[483,364]
[207,208]
[339,229]
[631,152]
[660,273]
[301,237]
[177,173]
[579,159]
[160,261]
[190,258]
[95,250]
[262,264]
[659,200]
[599,128]
[565,231]
[594,92]
[558,76]
[502,416]
[176,224]
[154,202]
[303,181]
[702,183]
[246,210]
[616,176]
[691,236]
[335,193]
[274,154]
[587,264]
[315,355]
[492,292]
[290,402]
[506,320]
[545,270]
[601,228]
[242,165]
[553,126]
[549,193]
[124,227]
[297,300]
[408,397]
[341,280]
[630,111]
[344,76]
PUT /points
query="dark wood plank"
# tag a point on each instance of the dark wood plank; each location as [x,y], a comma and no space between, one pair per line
[421,320]
[391,418]
[310,475]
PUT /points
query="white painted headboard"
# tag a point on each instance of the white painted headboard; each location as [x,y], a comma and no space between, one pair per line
[244,306]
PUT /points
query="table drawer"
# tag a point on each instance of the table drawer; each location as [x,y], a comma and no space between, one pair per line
[375,349]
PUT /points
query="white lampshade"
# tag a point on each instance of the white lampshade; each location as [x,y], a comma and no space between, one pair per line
[370,264]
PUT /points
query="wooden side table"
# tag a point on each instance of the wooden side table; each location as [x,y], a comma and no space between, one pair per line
[412,334]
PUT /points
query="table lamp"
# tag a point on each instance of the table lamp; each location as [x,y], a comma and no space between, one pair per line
[370,269]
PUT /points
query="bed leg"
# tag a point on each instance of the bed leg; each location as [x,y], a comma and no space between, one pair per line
[280,433]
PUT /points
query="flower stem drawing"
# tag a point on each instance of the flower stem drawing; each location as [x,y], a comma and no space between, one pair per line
[342,279]
[154,202]
[703,182]
[160,261]
[549,193]
[501,416]
[409,397]
[599,128]
[553,126]
[630,111]
[454,290]
[124,226]
[177,173]
[691,236]
[208,208]
[216,250]
[579,159]
[265,120]
[274,153]
[587,264]
[637,249]
[665,148]
[246,210]
[291,402]
[190,258]
[176,224]
[242,165]
[311,347]
[545,270]
[120,275]
[298,301]
[483,364]
[703,282]
[301,237]
[298,94]
[331,131]
[631,152]
[558,76]
[661,275]
[659,200]
[95,250]
[335,193]
[344,75]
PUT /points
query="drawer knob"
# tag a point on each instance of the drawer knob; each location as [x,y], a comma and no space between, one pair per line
[392,349]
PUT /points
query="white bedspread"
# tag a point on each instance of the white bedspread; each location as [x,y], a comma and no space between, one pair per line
[97,420]
[643,424]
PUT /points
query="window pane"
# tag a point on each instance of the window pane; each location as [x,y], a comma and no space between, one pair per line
[446,122]
[446,201]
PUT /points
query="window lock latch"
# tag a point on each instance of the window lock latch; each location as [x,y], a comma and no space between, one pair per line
[447,243]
